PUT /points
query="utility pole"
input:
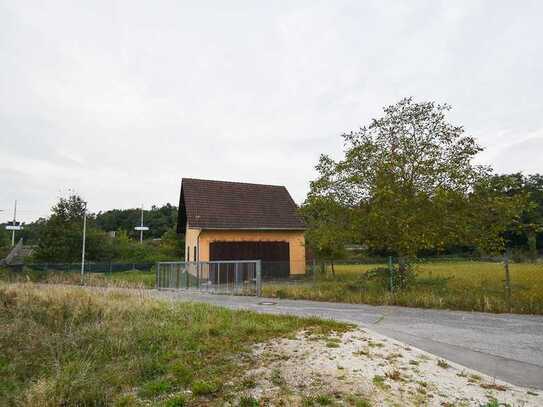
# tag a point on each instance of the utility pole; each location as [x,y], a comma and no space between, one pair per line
[14,226]
[83,248]
[141,228]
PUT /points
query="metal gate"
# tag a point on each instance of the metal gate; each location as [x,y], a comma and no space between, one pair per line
[236,277]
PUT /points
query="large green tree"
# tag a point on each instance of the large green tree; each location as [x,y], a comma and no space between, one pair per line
[407,181]
[61,235]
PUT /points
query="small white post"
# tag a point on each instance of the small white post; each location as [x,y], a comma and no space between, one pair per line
[83,248]
[141,230]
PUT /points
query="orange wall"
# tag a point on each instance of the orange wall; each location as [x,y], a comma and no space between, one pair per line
[295,239]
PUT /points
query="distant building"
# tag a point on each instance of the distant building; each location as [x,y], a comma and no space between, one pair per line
[240,221]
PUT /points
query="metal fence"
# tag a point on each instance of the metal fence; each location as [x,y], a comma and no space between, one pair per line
[488,284]
[89,267]
[242,277]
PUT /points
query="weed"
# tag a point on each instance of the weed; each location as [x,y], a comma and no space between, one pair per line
[276,377]
[443,364]
[247,401]
[379,381]
[182,373]
[202,388]
[176,401]
[155,388]
[493,386]
[324,399]
[249,382]
[373,344]
[393,375]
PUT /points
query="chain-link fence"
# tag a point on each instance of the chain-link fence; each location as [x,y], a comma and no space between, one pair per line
[126,274]
[489,284]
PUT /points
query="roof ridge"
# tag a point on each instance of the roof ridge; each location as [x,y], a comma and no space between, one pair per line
[231,182]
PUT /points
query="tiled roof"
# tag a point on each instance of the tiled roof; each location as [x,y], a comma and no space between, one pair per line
[210,204]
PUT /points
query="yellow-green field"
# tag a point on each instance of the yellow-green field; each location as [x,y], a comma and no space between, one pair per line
[462,285]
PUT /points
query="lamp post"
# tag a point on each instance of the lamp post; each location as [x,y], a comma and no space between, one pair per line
[83,246]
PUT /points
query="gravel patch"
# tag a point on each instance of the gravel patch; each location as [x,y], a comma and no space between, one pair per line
[362,368]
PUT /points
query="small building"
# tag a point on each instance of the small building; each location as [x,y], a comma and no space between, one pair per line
[240,221]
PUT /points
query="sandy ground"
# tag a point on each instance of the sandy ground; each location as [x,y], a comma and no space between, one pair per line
[362,368]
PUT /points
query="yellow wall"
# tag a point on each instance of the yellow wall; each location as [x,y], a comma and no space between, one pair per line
[295,239]
[191,241]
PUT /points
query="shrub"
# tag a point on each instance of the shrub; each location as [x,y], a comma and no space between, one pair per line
[177,401]
[155,388]
[202,388]
[248,402]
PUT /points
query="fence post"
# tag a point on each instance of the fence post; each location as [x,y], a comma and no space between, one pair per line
[157,285]
[390,273]
[259,278]
[507,280]
[314,271]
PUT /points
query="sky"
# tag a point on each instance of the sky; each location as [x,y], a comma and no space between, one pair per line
[118,100]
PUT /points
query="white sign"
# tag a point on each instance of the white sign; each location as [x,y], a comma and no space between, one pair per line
[141,228]
[11,227]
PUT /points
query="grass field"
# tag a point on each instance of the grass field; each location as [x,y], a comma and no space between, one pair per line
[461,285]
[122,279]
[72,347]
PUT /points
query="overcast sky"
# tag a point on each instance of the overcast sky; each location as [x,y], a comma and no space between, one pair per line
[120,99]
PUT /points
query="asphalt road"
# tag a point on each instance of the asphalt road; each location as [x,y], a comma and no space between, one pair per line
[508,347]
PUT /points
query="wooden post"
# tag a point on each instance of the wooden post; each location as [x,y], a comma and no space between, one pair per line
[390,273]
[507,279]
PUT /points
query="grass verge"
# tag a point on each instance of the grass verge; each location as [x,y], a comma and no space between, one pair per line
[460,285]
[69,346]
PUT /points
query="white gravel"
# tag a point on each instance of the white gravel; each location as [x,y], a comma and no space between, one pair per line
[362,365]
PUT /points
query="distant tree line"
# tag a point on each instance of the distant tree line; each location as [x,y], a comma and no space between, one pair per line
[58,238]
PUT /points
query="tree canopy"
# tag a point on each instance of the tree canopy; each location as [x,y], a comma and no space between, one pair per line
[59,238]
[407,181]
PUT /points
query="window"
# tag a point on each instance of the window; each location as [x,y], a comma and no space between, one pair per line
[188,253]
[195,253]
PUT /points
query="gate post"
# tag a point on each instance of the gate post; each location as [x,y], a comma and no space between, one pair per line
[259,278]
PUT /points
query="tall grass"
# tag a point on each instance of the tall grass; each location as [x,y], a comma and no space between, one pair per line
[123,279]
[67,346]
[460,285]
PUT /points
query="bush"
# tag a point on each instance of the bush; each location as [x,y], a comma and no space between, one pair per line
[202,388]
[393,279]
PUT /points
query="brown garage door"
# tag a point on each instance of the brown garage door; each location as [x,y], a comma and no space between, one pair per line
[275,256]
